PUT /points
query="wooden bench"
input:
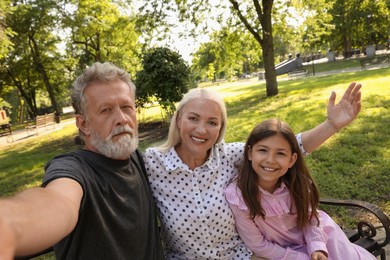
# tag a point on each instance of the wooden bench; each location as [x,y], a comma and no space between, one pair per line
[297,73]
[365,234]
[5,130]
[376,62]
[42,121]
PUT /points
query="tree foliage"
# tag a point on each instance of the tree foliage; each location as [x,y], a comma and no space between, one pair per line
[255,16]
[345,25]
[33,63]
[165,76]
[99,31]
[359,23]
[5,32]
[54,40]
[230,52]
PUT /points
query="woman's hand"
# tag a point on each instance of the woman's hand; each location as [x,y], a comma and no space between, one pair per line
[346,109]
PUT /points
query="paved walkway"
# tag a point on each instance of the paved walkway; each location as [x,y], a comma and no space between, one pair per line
[21,135]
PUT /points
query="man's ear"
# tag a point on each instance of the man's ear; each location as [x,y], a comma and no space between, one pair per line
[82,124]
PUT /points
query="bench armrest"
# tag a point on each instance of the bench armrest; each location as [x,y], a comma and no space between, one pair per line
[364,228]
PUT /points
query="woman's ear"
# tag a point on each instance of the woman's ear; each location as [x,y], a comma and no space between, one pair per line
[177,118]
[293,159]
[82,124]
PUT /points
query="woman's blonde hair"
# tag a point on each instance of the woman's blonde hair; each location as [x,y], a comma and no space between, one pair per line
[174,133]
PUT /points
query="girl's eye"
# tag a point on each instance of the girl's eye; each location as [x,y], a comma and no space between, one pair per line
[213,123]
[192,118]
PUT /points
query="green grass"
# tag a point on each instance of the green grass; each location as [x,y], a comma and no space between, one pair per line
[21,165]
[353,164]
[336,65]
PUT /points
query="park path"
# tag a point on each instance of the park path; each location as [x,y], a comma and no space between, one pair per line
[21,135]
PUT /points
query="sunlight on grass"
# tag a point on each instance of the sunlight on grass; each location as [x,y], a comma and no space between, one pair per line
[354,164]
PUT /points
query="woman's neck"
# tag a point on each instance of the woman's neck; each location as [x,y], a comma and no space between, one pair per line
[191,160]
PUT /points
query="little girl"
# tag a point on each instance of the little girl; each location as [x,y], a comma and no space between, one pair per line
[272,201]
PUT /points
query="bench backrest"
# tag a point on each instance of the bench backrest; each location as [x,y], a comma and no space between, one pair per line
[3,117]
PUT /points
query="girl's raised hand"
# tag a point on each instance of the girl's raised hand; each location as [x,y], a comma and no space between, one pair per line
[346,110]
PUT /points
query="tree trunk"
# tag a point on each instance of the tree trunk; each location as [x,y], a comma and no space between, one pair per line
[267,46]
[41,70]
[28,97]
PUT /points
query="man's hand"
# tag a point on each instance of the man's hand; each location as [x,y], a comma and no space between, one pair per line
[347,109]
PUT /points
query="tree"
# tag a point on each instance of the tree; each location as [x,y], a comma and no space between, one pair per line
[53,39]
[100,31]
[358,23]
[5,31]
[165,76]
[34,60]
[254,16]
[230,52]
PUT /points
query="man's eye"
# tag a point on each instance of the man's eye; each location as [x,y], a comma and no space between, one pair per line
[129,107]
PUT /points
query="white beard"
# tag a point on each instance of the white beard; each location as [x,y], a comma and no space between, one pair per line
[120,149]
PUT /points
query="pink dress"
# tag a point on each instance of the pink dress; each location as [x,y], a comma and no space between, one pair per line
[277,236]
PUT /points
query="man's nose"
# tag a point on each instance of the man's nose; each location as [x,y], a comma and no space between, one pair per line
[120,117]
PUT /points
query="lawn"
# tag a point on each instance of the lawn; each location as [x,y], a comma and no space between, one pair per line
[353,164]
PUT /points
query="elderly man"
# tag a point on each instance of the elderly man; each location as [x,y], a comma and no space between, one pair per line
[94,203]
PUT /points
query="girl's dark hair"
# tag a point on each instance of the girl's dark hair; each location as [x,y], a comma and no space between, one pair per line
[298,180]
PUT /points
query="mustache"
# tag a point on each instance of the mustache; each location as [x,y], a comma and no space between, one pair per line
[120,130]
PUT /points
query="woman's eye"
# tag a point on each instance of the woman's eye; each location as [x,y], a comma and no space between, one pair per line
[192,118]
[213,123]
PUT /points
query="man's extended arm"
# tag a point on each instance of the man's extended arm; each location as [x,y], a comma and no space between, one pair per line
[37,218]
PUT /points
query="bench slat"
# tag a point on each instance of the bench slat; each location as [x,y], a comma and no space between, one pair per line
[42,121]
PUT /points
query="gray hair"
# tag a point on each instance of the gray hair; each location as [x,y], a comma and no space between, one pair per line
[174,133]
[97,72]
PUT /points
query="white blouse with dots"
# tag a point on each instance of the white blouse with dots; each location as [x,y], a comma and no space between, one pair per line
[196,220]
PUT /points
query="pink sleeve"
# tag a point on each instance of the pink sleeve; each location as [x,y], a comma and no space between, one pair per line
[253,238]
[315,237]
